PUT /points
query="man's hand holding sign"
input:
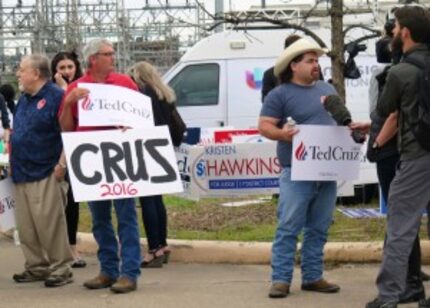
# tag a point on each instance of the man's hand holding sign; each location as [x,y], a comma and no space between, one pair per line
[110,105]
[110,164]
[114,164]
[325,153]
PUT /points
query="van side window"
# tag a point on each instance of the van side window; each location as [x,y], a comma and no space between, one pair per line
[197,85]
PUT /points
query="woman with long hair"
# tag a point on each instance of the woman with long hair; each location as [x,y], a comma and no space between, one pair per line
[65,68]
[154,214]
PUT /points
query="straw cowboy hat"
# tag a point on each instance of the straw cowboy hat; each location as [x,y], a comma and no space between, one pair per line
[298,48]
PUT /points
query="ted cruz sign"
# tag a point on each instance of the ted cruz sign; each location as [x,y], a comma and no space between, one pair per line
[325,153]
[110,105]
[112,164]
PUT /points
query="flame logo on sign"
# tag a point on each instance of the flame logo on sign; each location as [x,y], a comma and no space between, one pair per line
[301,152]
[2,209]
[87,104]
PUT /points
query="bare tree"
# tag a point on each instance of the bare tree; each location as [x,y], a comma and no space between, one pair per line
[338,47]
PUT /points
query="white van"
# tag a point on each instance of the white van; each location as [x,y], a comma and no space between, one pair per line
[218,81]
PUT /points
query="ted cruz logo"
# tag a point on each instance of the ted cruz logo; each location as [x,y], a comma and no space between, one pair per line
[2,208]
[87,104]
[301,152]
[41,104]
[254,79]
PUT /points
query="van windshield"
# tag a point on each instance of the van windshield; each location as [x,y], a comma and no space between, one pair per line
[197,85]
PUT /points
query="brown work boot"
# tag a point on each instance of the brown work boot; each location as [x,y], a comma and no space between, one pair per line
[99,282]
[279,290]
[123,285]
[322,286]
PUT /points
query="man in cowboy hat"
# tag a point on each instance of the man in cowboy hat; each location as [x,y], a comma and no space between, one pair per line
[304,205]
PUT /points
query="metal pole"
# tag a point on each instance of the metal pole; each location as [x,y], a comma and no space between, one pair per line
[219,10]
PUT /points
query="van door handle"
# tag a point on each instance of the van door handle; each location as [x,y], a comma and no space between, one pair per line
[221,123]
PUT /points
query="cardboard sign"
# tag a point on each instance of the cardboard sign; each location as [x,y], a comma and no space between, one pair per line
[110,105]
[235,170]
[207,134]
[112,164]
[227,135]
[249,139]
[325,153]
[229,169]
[7,206]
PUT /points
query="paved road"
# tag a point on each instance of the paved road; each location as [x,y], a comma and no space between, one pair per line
[185,286]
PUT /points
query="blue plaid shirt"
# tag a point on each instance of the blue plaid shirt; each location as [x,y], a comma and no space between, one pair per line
[36,138]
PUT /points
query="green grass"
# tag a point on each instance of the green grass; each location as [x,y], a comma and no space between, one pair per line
[207,220]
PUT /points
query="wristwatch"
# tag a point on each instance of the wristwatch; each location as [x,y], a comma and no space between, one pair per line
[375,145]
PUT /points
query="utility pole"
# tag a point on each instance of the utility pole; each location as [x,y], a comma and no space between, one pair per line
[38,28]
[337,47]
[219,11]
[73,38]
[123,57]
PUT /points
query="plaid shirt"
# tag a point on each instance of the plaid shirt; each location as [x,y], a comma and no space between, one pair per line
[36,139]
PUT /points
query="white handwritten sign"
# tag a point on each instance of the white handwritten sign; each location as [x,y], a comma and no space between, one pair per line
[110,105]
[325,153]
[113,164]
[7,205]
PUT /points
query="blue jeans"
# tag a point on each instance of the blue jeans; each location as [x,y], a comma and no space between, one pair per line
[128,233]
[306,205]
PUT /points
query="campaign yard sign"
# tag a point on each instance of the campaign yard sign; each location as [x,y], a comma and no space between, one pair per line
[227,135]
[113,164]
[7,205]
[110,105]
[325,153]
[232,169]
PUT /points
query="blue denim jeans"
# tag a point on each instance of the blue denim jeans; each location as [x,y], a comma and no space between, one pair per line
[128,233]
[307,206]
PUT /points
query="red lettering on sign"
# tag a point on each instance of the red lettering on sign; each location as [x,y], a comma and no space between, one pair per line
[118,189]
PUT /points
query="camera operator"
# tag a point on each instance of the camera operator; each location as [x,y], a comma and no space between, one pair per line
[382,149]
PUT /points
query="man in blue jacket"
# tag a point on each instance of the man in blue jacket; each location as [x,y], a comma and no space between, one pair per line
[38,174]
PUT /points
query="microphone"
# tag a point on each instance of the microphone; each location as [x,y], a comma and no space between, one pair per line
[337,109]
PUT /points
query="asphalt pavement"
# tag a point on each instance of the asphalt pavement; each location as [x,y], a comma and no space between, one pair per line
[182,285]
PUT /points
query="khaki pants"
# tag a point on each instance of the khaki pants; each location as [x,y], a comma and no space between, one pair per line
[42,226]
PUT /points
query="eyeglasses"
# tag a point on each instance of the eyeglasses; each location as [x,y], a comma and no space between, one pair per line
[106,54]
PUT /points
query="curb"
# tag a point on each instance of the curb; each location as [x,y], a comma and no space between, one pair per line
[187,251]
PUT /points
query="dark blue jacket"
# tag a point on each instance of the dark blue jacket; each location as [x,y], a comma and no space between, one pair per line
[36,138]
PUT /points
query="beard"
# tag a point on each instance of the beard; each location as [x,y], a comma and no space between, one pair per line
[396,48]
[315,75]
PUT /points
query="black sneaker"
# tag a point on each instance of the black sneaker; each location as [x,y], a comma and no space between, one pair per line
[424,303]
[58,281]
[414,292]
[425,276]
[79,264]
[377,303]
[27,276]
